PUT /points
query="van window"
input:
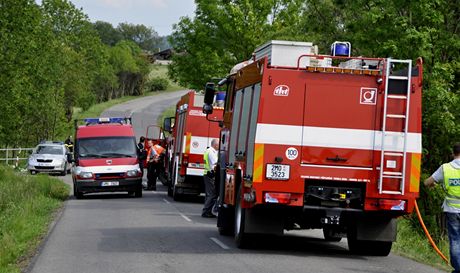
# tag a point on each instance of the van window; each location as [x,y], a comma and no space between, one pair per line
[105,147]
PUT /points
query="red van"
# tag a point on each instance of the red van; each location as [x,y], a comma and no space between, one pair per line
[106,157]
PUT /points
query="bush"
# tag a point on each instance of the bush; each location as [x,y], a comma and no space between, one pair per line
[157,84]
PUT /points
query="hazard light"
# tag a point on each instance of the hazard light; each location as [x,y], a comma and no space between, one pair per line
[391,204]
[277,197]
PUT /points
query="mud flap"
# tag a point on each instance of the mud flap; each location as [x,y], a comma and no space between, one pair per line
[373,228]
[264,221]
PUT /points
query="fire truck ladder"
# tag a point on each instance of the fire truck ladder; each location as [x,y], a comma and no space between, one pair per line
[392,82]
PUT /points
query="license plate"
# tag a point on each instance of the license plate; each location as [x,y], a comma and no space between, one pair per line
[278,171]
[110,183]
[44,164]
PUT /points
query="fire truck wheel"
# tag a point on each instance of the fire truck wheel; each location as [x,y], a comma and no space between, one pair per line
[242,239]
[369,248]
[330,235]
[225,221]
[175,195]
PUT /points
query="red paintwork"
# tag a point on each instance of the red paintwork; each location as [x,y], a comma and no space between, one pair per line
[103,162]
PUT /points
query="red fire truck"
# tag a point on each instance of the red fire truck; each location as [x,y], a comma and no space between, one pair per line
[313,141]
[191,134]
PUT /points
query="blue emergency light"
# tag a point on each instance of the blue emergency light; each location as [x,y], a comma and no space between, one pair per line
[341,49]
[104,120]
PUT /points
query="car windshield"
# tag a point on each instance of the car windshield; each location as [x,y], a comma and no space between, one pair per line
[50,150]
[104,147]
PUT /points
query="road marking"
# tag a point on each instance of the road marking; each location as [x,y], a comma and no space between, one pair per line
[185,217]
[219,243]
[166,201]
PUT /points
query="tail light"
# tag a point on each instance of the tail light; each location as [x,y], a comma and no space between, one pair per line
[277,197]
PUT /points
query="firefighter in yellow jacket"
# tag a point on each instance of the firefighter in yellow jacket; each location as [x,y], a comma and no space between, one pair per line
[448,175]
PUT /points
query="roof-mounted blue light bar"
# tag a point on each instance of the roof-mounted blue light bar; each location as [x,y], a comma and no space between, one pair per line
[105,120]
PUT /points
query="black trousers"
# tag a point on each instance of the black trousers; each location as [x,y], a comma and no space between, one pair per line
[211,196]
[152,175]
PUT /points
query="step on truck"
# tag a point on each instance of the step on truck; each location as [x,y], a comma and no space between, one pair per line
[311,141]
[191,134]
[105,157]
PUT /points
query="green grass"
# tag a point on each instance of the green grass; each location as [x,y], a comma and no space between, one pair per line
[415,245]
[27,205]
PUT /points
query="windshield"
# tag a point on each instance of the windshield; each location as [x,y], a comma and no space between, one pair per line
[103,147]
[50,150]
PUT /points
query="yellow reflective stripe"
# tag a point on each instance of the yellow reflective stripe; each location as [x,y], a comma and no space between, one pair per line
[188,140]
[415,173]
[258,163]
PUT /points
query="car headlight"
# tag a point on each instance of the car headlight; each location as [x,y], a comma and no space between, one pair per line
[133,173]
[85,175]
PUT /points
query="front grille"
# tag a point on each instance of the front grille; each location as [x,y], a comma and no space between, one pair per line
[45,160]
[44,167]
[105,176]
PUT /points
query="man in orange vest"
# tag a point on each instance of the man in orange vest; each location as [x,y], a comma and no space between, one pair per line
[154,160]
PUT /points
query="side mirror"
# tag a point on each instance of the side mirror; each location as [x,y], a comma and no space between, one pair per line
[168,124]
[209,98]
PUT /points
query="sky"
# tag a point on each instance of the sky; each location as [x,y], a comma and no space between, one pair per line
[158,14]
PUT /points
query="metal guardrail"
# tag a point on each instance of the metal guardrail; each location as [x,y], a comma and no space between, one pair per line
[13,155]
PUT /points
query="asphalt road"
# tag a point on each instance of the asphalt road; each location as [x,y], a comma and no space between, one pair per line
[117,233]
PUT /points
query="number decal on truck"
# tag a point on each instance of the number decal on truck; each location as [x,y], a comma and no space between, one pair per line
[292,153]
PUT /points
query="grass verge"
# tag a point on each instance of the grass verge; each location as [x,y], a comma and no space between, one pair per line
[27,205]
[414,245]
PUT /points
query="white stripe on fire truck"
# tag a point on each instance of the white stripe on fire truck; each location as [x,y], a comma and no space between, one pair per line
[202,142]
[336,138]
[109,168]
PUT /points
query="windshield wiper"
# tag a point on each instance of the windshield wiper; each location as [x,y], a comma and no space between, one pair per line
[117,155]
[92,155]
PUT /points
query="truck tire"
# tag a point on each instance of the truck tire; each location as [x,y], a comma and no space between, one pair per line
[242,239]
[330,235]
[369,248]
[226,221]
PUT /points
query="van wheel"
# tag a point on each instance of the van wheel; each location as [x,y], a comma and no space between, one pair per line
[242,239]
[77,193]
[138,192]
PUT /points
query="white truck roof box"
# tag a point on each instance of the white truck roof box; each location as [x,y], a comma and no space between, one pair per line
[286,53]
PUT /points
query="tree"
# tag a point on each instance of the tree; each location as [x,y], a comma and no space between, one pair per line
[222,34]
[145,37]
[108,34]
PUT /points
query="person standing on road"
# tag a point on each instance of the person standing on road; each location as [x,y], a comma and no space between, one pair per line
[448,175]
[210,162]
[154,160]
[142,153]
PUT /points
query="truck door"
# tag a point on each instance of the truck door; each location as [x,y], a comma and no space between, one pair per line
[339,119]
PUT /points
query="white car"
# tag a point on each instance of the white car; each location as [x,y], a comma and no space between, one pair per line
[49,157]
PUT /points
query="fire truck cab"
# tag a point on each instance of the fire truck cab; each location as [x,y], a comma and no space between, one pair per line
[191,134]
[329,142]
